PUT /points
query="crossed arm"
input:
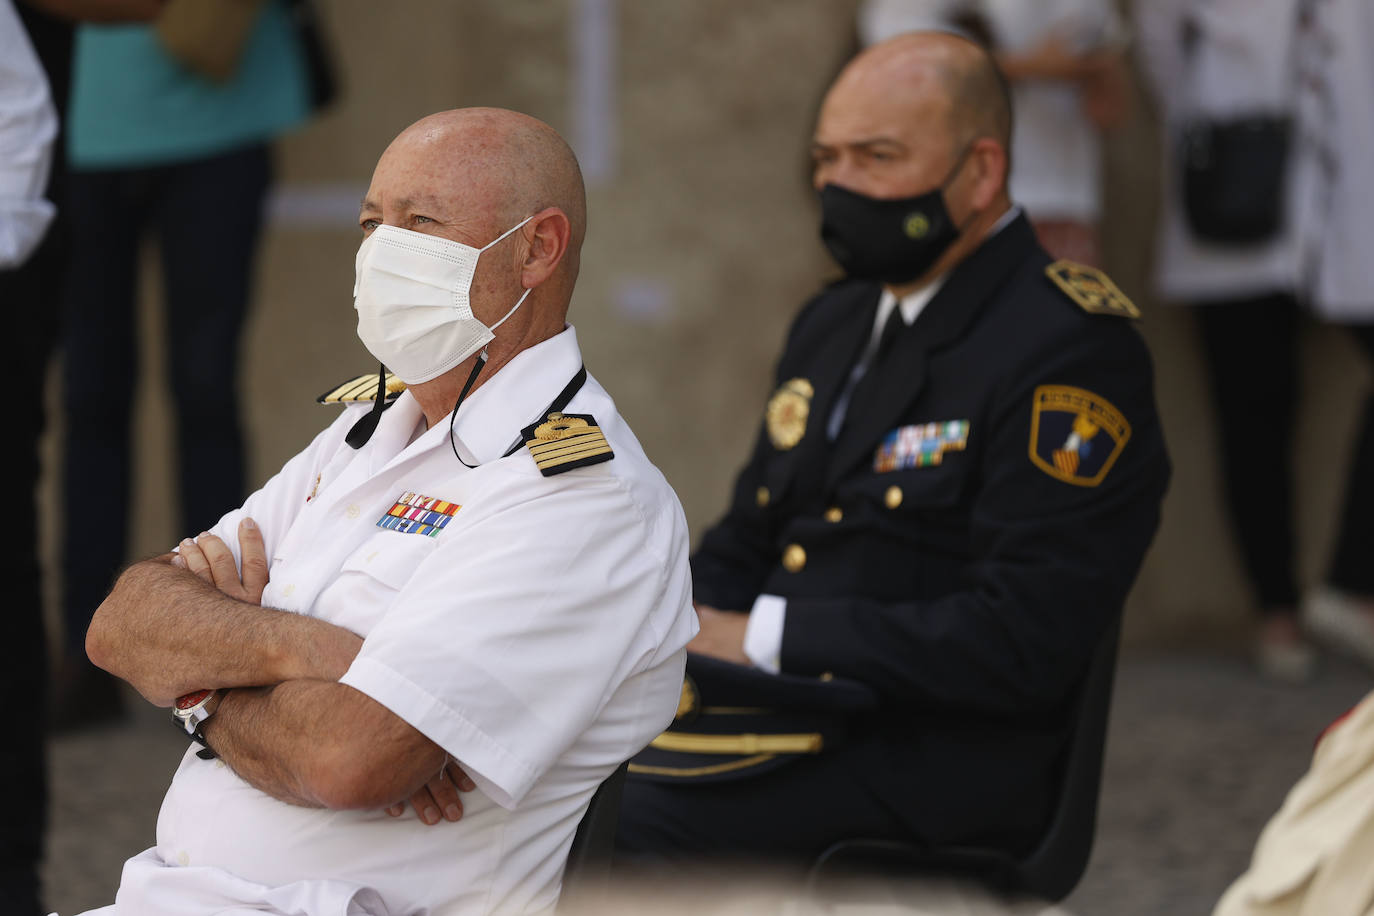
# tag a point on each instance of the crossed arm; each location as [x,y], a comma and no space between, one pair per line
[180,623]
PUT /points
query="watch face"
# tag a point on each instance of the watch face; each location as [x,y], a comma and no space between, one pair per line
[191,700]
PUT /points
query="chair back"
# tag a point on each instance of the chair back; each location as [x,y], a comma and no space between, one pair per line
[1053,868]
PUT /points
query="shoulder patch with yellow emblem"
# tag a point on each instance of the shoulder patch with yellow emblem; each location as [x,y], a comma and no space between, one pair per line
[1091,289]
[787,413]
[564,441]
[1076,436]
[362,388]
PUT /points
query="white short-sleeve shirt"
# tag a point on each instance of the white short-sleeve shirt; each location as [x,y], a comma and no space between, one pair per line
[536,635]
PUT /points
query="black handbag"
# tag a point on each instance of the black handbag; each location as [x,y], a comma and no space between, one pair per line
[1233,175]
[1232,171]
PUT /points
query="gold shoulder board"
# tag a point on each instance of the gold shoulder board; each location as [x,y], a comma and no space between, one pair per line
[362,388]
[1091,289]
[563,441]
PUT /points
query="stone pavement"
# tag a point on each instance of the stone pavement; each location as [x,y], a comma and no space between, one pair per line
[1200,754]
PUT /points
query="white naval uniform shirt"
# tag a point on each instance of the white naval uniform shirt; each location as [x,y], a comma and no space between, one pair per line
[538,638]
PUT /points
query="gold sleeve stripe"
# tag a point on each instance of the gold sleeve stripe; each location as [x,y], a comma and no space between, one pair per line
[582,448]
[801,743]
[592,435]
[689,772]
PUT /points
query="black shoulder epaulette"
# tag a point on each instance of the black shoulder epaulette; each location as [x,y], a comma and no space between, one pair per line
[363,389]
[563,441]
[1091,290]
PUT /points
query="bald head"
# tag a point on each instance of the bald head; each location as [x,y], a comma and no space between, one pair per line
[920,113]
[937,72]
[500,163]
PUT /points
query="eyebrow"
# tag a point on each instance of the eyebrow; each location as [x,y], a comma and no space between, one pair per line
[404,203]
[867,141]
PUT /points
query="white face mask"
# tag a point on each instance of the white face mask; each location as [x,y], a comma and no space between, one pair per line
[411,292]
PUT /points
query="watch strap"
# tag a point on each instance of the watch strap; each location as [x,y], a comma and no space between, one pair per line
[198,736]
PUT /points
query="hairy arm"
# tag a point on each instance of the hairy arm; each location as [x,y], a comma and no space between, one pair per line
[168,630]
[288,728]
[325,745]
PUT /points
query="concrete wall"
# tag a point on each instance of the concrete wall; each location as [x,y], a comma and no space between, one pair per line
[702,244]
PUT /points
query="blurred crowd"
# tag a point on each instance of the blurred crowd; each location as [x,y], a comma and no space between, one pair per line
[129,121]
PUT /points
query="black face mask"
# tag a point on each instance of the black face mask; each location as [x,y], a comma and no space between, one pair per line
[890,241]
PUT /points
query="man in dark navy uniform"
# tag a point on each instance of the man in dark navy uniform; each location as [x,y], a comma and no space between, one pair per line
[955,481]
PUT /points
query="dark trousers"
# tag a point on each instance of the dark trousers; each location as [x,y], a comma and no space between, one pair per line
[31,299]
[205,215]
[1252,350]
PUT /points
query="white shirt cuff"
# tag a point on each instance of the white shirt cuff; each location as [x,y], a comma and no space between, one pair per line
[763,635]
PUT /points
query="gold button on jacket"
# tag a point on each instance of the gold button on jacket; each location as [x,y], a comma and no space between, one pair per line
[794,558]
[893,497]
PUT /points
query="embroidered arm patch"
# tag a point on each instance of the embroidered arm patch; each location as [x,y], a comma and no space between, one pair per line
[1075,435]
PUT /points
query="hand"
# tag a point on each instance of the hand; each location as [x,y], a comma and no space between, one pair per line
[440,794]
[211,560]
[722,634]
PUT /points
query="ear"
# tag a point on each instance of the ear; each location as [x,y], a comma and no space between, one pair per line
[549,232]
[988,172]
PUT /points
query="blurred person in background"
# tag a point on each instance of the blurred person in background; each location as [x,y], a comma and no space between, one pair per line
[951,493]
[1315,857]
[1065,62]
[170,133]
[33,248]
[1268,212]
[28,125]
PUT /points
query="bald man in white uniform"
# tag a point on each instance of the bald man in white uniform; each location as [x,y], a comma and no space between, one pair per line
[482,588]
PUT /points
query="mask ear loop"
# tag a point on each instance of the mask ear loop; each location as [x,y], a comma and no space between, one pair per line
[482,357]
[518,303]
[504,234]
[467,386]
[953,174]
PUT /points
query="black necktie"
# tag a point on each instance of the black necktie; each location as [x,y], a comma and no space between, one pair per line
[863,371]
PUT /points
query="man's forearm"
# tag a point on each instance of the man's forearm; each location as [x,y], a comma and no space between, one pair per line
[319,744]
[167,632]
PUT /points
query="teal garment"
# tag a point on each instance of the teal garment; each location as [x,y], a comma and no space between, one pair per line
[133,105]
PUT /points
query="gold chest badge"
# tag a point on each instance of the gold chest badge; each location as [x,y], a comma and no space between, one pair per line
[787,412]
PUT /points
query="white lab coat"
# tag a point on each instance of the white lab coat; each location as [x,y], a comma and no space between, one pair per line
[1252,58]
